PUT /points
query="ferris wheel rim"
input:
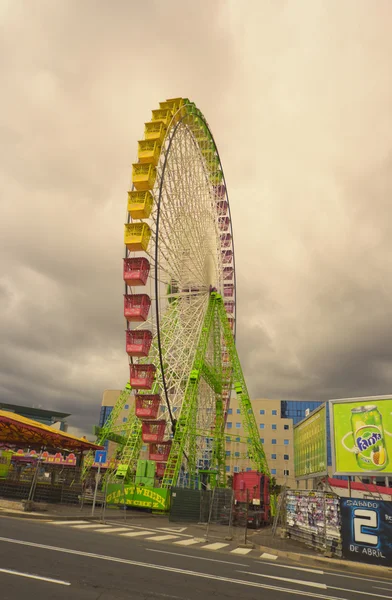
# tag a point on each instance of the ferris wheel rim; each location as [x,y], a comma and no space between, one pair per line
[172,132]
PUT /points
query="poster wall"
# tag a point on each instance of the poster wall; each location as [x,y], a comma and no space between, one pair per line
[362,436]
[310,445]
[367,531]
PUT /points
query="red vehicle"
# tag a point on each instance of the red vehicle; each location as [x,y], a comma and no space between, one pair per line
[252,499]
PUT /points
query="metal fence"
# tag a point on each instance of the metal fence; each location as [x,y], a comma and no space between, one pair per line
[313,518]
[39,483]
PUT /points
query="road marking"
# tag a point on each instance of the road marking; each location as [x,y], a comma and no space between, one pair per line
[315,571]
[31,576]
[188,542]
[176,530]
[352,577]
[226,562]
[320,586]
[241,551]
[165,568]
[135,533]
[381,588]
[215,546]
[96,526]
[115,530]
[68,522]
[267,556]
[161,538]
[332,587]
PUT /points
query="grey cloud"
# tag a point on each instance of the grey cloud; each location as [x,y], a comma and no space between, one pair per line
[298,96]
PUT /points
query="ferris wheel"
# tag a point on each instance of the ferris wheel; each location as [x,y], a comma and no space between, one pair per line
[180,312]
[179,248]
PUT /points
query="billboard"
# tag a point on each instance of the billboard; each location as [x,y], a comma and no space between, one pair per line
[310,445]
[361,436]
[367,530]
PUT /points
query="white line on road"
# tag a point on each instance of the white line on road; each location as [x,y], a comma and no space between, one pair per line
[188,542]
[31,576]
[241,551]
[67,522]
[267,556]
[96,526]
[115,529]
[135,533]
[381,588]
[280,566]
[352,577]
[321,586]
[216,546]
[161,538]
[332,587]
[226,562]
[169,569]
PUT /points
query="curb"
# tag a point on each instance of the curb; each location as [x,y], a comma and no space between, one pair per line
[330,563]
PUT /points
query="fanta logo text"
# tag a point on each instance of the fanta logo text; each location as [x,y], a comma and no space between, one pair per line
[364,443]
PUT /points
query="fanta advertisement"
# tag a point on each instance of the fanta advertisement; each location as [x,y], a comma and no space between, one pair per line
[362,436]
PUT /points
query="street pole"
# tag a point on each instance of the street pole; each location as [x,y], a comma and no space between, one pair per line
[97,478]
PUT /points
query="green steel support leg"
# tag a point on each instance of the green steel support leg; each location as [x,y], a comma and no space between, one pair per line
[255,448]
[219,443]
[186,424]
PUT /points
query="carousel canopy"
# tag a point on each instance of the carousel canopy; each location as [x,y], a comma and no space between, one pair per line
[19,431]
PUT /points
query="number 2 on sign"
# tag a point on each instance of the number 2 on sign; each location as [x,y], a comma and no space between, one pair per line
[365,518]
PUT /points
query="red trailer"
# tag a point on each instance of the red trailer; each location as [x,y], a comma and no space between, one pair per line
[252,498]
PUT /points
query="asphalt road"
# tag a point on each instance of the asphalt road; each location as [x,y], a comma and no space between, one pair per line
[42,561]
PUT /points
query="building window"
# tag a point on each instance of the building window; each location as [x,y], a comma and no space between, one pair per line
[262,412]
[274,413]
[238,425]
[273,471]
[228,453]
[126,407]
[261,425]
[248,468]
[286,427]
[286,442]
[273,441]
[273,456]
[238,411]
[286,472]
[144,448]
[262,440]
[237,454]
[227,468]
[228,439]
[229,424]
[237,439]
[273,426]
[125,419]
[286,457]
[236,469]
[230,411]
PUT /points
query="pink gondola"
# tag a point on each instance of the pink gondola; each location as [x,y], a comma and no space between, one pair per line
[227,256]
[221,207]
[228,273]
[138,342]
[229,306]
[160,452]
[228,290]
[147,405]
[223,223]
[136,307]
[142,376]
[220,190]
[136,271]
[153,431]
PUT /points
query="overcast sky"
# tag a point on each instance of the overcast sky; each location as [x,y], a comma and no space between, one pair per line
[298,94]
